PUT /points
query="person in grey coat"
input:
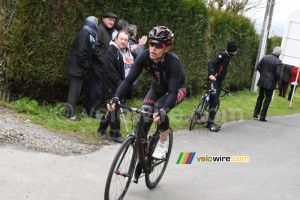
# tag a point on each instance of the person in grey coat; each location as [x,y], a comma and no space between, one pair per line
[269,68]
[285,80]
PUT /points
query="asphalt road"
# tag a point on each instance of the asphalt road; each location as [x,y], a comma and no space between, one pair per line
[272,172]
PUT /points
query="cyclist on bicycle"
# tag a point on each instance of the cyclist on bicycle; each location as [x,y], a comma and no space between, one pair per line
[217,69]
[168,87]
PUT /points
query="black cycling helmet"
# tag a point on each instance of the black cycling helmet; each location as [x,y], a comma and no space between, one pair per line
[162,34]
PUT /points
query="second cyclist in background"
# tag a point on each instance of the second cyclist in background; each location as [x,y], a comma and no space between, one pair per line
[217,69]
[168,87]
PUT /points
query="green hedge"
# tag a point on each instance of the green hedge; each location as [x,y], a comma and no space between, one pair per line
[42,31]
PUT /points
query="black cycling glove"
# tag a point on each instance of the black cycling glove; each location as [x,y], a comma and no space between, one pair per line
[112,101]
[162,114]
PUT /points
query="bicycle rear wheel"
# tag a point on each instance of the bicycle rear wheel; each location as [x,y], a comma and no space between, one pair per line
[198,113]
[121,171]
[158,167]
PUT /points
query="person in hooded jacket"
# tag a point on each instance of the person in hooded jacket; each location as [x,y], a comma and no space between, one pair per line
[269,68]
[118,61]
[79,62]
[217,70]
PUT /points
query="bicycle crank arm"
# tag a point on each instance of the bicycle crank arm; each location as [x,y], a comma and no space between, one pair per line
[122,174]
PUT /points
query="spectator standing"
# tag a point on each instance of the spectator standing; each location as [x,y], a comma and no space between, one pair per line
[93,97]
[269,68]
[79,61]
[293,81]
[285,80]
[121,25]
[117,64]
[136,48]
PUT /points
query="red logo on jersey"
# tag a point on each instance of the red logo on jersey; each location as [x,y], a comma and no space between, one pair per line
[181,94]
[150,101]
[221,68]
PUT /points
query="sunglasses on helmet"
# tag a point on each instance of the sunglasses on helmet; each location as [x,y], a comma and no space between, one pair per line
[157,45]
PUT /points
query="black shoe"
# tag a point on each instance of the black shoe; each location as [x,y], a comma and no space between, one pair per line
[101,132]
[96,116]
[116,137]
[263,120]
[214,128]
[255,116]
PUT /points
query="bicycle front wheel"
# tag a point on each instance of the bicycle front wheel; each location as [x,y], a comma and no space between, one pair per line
[121,171]
[158,167]
[197,115]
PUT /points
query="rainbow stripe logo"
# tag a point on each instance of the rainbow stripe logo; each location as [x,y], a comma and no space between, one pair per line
[186,158]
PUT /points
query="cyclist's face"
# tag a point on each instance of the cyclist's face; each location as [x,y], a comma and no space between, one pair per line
[156,53]
[234,53]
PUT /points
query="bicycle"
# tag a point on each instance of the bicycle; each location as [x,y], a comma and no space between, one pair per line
[200,113]
[134,158]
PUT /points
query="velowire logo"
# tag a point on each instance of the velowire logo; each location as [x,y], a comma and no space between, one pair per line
[186,158]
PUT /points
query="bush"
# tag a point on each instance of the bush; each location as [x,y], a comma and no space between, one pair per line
[41,34]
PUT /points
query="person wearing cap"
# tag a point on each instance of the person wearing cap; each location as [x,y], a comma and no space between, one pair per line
[269,68]
[168,87]
[217,69]
[94,94]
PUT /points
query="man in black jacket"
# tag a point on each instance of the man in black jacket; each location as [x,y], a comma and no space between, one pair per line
[217,69]
[92,99]
[117,64]
[269,68]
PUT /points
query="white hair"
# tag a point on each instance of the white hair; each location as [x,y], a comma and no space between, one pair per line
[277,50]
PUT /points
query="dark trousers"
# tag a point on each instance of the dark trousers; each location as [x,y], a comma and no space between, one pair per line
[113,120]
[155,101]
[93,97]
[291,92]
[75,84]
[213,102]
[283,88]
[263,94]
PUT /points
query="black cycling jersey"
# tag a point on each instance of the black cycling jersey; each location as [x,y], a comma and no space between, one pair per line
[168,76]
[218,65]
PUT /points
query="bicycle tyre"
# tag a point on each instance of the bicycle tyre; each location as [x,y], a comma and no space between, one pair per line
[153,178]
[196,113]
[125,160]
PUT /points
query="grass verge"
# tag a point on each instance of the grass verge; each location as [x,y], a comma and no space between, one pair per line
[237,106]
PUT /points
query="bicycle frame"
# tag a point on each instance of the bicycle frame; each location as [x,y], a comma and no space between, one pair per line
[141,142]
[204,102]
